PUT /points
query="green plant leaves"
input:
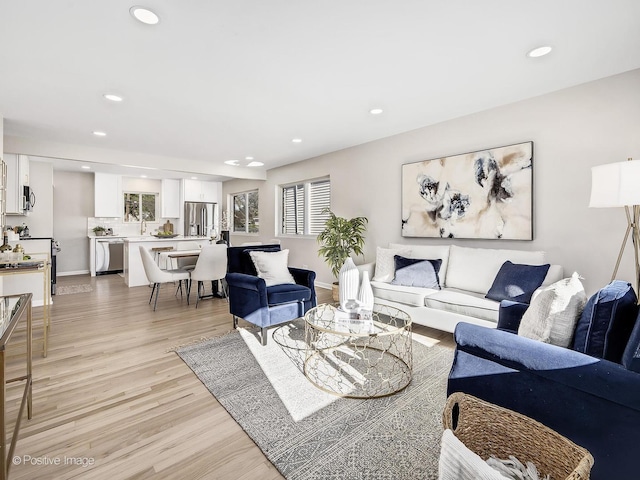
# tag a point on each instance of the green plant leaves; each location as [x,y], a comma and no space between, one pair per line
[340,238]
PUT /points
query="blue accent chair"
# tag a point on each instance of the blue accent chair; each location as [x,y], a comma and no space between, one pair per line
[250,298]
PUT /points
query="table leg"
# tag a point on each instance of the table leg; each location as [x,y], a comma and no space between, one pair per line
[29,361]
[3,436]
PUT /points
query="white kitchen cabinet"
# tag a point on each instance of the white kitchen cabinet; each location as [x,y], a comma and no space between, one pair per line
[17,179]
[197,191]
[108,193]
[209,191]
[170,198]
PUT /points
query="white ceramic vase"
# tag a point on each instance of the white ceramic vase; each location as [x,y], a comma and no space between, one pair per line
[365,295]
[348,282]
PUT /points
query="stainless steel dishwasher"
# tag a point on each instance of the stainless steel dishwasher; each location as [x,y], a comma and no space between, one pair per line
[109,256]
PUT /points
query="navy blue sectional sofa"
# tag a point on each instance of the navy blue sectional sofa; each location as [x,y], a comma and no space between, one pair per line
[592,401]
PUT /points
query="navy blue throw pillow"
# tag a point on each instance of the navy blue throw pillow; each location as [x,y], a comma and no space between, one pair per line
[417,272]
[605,325]
[517,282]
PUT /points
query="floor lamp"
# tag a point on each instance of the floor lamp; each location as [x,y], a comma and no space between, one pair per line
[618,185]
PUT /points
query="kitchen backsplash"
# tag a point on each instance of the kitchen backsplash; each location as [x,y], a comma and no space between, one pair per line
[129,229]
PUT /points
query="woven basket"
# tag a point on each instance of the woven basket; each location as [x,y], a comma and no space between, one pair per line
[488,429]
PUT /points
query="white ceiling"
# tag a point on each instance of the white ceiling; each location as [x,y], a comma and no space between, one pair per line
[218,80]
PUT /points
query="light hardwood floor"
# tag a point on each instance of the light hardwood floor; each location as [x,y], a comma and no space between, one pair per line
[111,393]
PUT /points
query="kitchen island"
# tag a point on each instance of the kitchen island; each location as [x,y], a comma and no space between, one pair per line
[134,275]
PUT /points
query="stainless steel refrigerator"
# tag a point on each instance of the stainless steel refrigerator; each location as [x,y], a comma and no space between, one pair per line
[199,219]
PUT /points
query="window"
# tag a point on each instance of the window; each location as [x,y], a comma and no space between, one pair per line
[139,206]
[245,212]
[303,207]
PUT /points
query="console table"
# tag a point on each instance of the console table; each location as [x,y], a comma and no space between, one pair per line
[13,308]
[40,263]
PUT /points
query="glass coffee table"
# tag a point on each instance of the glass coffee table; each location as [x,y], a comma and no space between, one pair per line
[364,357]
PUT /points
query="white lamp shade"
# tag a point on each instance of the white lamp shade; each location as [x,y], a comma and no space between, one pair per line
[615,184]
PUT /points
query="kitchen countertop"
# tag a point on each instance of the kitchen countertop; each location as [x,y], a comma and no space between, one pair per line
[151,238]
[146,238]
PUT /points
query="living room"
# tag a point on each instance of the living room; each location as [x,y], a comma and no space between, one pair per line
[577,115]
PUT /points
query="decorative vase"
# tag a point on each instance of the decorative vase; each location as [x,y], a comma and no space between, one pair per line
[349,280]
[365,295]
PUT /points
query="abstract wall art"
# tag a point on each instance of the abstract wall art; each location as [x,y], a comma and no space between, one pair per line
[486,194]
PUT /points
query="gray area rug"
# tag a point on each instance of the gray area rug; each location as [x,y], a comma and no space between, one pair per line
[308,434]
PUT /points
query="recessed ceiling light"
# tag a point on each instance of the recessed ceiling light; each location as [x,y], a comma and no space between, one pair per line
[255,164]
[143,176]
[297,140]
[248,158]
[144,15]
[194,178]
[99,134]
[234,163]
[540,51]
[376,111]
[85,167]
[112,97]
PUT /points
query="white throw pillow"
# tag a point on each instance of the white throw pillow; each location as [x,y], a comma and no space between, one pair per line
[457,462]
[554,311]
[385,266]
[272,266]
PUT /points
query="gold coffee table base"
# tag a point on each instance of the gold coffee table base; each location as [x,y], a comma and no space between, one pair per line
[355,361]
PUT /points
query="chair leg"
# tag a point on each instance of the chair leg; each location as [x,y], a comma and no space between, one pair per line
[179,288]
[235,322]
[157,294]
[198,297]
[152,292]
[224,291]
[188,289]
[264,336]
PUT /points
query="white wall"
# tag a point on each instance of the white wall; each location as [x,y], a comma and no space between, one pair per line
[73,204]
[40,220]
[572,130]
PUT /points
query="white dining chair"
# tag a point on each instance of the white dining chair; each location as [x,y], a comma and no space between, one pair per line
[187,263]
[250,244]
[211,266]
[158,276]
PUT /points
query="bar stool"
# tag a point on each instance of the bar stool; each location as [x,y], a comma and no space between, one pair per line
[157,251]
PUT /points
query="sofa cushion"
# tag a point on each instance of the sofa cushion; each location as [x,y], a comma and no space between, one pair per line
[385,266]
[474,269]
[517,282]
[435,252]
[607,321]
[554,311]
[416,272]
[464,303]
[413,296]
[286,293]
[631,355]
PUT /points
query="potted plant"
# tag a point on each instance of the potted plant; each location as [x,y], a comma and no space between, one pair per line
[99,231]
[339,239]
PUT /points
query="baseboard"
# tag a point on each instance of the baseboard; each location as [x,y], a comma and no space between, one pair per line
[68,274]
[326,286]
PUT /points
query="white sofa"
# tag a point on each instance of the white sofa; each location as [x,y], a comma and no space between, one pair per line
[466,275]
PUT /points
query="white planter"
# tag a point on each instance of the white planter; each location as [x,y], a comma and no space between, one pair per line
[349,280]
